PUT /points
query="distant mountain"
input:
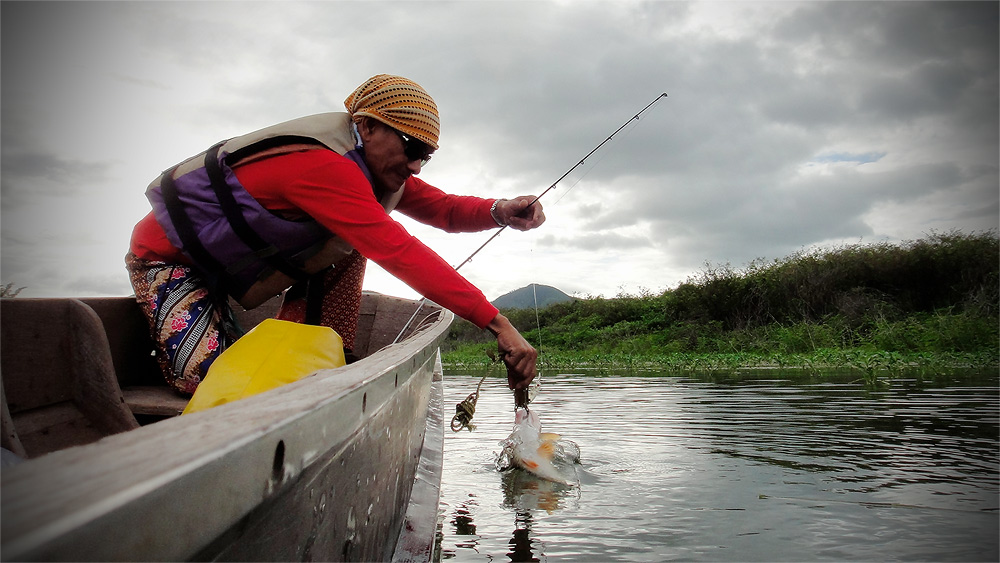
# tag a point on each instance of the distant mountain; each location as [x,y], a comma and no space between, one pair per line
[524,298]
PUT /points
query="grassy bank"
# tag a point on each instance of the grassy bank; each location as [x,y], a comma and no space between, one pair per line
[925,304]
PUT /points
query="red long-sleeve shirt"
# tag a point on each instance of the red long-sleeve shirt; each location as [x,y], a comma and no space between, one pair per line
[332,190]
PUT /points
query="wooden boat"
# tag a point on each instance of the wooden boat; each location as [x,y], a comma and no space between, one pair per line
[342,465]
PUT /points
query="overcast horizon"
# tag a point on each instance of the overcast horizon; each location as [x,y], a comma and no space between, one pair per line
[787,126]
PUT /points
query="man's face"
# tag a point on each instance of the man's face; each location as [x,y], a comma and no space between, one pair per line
[386,155]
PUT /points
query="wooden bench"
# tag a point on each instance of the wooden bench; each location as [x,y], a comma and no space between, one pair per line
[59,382]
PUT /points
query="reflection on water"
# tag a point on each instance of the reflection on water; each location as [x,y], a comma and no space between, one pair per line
[738,469]
[523,491]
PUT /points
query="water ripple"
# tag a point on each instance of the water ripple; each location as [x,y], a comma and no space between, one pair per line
[679,468]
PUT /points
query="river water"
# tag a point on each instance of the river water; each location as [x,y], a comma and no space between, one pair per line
[751,468]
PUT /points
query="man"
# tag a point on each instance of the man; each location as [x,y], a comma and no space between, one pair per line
[276,208]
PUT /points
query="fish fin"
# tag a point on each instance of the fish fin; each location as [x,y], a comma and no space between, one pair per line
[547,449]
[529,464]
[551,436]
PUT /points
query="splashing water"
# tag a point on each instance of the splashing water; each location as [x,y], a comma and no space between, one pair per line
[545,455]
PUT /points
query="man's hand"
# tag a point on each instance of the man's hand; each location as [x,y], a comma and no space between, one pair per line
[519,356]
[519,213]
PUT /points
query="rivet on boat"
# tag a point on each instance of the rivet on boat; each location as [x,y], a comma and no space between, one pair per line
[278,468]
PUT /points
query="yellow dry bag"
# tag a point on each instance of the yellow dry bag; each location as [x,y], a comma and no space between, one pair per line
[271,355]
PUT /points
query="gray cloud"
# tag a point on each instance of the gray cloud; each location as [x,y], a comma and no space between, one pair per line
[786,125]
[34,170]
[598,241]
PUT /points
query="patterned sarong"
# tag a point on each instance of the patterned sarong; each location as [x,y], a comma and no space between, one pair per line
[188,324]
[191,326]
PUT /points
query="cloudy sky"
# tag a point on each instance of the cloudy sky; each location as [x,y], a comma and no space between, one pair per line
[787,126]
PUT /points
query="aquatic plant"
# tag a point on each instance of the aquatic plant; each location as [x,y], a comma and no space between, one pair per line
[7,291]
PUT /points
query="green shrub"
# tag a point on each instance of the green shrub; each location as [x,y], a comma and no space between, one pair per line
[930,298]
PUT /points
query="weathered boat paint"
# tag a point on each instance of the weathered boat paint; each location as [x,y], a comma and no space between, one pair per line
[319,469]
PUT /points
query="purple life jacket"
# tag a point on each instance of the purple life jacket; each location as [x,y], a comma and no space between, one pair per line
[233,240]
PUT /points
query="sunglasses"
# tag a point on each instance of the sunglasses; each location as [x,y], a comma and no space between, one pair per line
[415,150]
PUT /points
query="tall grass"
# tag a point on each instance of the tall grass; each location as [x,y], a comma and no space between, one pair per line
[936,296]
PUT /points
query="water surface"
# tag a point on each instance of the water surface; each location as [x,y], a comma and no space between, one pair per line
[758,468]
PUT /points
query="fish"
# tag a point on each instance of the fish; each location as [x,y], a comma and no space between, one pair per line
[531,449]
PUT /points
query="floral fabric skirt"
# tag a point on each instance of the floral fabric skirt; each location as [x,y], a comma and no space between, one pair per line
[191,326]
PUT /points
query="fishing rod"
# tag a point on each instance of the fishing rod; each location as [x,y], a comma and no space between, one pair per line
[547,190]
[563,177]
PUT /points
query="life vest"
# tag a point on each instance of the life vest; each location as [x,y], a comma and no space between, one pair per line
[241,247]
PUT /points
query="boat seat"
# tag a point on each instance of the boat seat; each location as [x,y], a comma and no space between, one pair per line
[139,376]
[58,377]
[154,400]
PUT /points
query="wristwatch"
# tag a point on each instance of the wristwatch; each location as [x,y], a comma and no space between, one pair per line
[493,213]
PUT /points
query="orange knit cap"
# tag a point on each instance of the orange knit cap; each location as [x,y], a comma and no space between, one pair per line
[398,102]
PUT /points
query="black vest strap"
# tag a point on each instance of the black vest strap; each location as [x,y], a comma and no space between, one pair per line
[211,268]
[264,250]
[312,291]
[315,292]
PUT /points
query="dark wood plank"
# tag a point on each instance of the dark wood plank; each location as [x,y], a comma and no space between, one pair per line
[35,352]
[92,372]
[154,400]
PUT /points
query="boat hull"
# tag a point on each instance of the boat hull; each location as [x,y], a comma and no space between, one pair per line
[319,469]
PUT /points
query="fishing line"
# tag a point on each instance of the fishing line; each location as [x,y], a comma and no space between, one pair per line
[465,410]
[538,323]
[536,384]
[547,190]
[597,161]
